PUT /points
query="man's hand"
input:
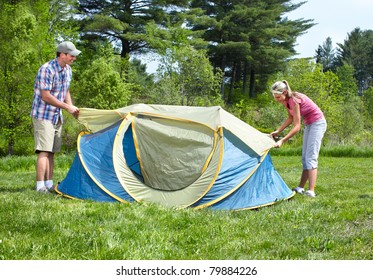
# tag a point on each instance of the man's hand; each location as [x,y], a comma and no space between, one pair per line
[73,111]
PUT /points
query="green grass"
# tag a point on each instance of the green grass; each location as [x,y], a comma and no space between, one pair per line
[338,224]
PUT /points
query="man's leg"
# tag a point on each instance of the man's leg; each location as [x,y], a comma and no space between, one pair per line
[42,169]
[50,166]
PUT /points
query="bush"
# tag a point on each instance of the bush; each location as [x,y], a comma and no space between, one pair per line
[70,132]
[101,86]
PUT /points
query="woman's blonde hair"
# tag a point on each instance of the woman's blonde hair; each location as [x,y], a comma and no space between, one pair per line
[280,87]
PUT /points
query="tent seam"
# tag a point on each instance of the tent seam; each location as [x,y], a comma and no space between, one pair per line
[233,189]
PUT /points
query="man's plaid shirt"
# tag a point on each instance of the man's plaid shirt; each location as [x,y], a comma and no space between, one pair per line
[52,77]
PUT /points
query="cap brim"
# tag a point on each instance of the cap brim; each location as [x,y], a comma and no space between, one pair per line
[75,53]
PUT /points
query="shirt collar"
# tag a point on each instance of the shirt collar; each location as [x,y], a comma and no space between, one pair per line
[59,68]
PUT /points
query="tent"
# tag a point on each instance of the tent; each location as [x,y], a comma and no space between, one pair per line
[176,156]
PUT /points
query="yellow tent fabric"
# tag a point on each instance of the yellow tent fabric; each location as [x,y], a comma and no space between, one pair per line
[214,117]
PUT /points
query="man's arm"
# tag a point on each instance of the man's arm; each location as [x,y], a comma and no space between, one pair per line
[67,105]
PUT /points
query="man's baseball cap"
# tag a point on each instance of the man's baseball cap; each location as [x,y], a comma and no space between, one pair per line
[68,47]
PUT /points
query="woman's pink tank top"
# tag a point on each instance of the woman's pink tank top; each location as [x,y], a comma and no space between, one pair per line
[309,111]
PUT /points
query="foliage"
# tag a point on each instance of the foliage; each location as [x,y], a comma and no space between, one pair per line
[186,76]
[123,22]
[326,55]
[101,85]
[17,26]
[368,101]
[27,36]
[70,132]
[196,77]
[258,112]
[250,39]
[335,94]
[357,51]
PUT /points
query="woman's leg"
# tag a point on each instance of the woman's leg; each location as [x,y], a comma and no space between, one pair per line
[304,178]
[315,133]
[312,177]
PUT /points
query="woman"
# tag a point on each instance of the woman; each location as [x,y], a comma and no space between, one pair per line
[300,106]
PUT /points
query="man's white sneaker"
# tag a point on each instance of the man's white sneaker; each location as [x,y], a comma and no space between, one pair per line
[43,190]
[310,193]
[299,190]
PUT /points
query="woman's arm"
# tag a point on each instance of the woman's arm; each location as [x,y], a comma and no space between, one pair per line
[296,120]
[286,123]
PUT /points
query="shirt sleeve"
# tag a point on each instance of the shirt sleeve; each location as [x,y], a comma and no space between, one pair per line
[45,79]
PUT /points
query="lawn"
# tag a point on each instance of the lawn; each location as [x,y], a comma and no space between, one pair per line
[336,225]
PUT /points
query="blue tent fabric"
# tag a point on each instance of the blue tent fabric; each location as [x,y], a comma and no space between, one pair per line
[130,153]
[97,160]
[243,179]
[238,162]
[263,188]
[78,184]
[246,179]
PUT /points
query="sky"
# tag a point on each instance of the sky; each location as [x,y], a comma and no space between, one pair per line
[334,19]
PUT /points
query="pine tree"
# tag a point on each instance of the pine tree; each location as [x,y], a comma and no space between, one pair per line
[357,50]
[251,39]
[326,56]
[123,22]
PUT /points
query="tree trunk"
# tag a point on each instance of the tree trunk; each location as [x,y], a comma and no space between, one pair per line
[252,83]
[222,67]
[244,85]
[125,48]
[10,147]
[233,79]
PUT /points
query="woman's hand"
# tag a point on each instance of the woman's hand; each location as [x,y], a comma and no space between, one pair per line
[275,133]
[278,144]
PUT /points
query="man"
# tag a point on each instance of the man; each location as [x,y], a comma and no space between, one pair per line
[51,95]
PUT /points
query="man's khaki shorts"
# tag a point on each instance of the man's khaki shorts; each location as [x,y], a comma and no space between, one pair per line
[47,136]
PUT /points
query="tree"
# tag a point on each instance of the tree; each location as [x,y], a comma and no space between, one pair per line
[101,84]
[123,22]
[17,56]
[251,39]
[368,101]
[185,74]
[29,30]
[326,56]
[357,50]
